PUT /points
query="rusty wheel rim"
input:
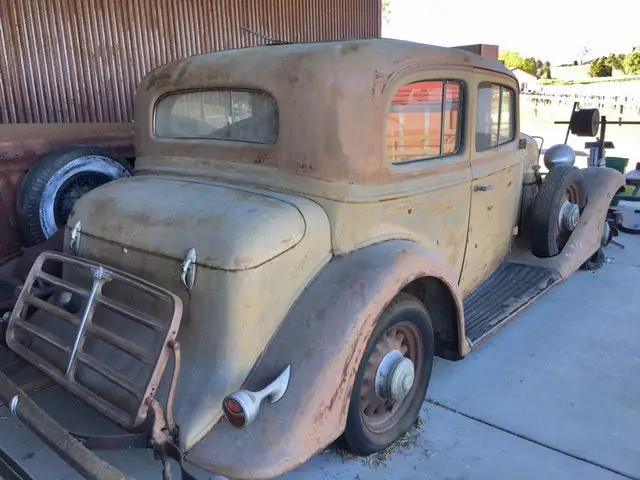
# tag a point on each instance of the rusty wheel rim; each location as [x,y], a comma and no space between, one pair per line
[571,194]
[380,415]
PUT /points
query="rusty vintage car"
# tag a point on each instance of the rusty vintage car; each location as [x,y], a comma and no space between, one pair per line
[307,227]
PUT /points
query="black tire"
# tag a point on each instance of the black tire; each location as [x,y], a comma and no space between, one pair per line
[595,262]
[633,229]
[53,185]
[358,436]
[585,122]
[561,182]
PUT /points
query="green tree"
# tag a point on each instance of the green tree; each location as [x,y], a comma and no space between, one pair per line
[614,62]
[510,59]
[575,62]
[632,63]
[599,68]
[546,71]
[539,67]
[530,65]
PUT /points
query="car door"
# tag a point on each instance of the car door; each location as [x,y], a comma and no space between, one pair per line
[428,148]
[496,168]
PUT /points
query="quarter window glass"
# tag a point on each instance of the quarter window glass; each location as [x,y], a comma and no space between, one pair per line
[495,116]
[424,121]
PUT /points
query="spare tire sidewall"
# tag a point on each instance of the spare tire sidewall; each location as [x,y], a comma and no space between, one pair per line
[546,209]
[86,164]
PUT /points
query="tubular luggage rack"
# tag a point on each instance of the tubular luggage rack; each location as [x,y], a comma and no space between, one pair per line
[76,355]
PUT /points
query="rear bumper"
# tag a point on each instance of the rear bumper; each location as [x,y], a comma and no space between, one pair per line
[87,463]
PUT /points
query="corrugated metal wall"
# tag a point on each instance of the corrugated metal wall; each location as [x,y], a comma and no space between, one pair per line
[80,60]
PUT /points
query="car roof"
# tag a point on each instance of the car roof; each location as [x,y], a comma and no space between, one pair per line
[332,97]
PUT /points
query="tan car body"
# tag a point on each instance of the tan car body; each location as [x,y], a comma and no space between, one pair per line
[301,244]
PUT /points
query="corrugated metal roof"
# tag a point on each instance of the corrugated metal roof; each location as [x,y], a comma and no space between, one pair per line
[80,60]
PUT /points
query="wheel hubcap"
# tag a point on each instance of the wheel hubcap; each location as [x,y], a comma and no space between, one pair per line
[606,234]
[395,376]
[569,216]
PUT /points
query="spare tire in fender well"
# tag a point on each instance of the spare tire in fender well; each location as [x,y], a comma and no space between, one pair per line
[330,324]
[561,181]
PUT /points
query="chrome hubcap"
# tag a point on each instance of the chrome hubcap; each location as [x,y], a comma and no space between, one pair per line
[394,377]
[569,216]
[606,231]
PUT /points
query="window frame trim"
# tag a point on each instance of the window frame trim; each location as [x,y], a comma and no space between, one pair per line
[461,124]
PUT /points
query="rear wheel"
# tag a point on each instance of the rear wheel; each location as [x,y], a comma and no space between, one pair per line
[392,378]
[556,210]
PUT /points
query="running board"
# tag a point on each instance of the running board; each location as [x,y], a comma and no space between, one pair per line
[510,289]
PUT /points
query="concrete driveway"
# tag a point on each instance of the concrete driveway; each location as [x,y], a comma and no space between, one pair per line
[554,395]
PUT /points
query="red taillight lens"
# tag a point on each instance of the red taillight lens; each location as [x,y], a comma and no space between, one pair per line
[234,413]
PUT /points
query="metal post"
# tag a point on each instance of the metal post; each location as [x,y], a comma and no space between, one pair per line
[603,131]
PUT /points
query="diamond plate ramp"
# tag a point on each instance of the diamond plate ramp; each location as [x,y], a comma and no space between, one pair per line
[511,288]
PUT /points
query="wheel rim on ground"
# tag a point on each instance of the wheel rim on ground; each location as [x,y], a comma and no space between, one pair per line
[380,415]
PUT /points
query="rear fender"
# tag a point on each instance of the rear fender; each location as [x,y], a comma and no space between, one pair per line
[323,338]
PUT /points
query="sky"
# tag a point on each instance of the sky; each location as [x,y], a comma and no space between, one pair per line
[554,30]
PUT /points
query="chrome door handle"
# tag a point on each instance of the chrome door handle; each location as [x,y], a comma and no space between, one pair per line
[482,188]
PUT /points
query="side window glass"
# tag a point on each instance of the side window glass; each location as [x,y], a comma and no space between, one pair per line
[487,116]
[425,121]
[495,116]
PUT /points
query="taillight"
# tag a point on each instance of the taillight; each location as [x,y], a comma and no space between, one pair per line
[241,408]
[234,413]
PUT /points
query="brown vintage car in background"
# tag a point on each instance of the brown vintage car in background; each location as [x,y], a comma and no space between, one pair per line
[308,224]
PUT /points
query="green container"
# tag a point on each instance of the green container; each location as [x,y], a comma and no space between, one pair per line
[618,163]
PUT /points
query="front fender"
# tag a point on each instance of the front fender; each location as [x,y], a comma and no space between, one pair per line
[323,338]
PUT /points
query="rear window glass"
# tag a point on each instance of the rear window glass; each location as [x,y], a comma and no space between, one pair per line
[235,115]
